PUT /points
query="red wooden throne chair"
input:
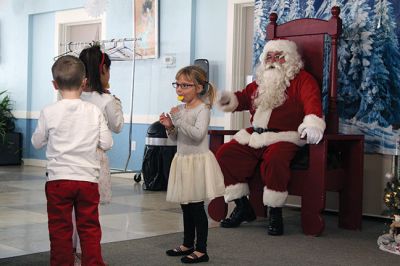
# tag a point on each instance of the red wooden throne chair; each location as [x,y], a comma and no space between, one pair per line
[319,175]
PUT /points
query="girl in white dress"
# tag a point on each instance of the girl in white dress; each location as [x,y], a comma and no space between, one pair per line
[195,174]
[97,92]
[97,66]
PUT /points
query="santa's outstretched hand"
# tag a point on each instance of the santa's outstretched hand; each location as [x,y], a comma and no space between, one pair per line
[313,134]
[224,98]
[227,101]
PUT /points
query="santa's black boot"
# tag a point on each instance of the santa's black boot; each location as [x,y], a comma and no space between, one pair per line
[275,226]
[242,212]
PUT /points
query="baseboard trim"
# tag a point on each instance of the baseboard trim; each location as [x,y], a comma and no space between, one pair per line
[365,214]
[114,172]
[34,162]
[137,119]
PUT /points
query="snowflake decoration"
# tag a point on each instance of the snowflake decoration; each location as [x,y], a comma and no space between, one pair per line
[95,8]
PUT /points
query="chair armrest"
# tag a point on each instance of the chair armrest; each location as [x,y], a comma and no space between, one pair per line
[222,132]
[217,138]
[335,150]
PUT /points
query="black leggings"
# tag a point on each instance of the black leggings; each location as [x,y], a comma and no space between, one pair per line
[195,222]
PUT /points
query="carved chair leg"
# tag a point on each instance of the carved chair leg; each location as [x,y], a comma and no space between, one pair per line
[312,205]
[350,205]
[312,221]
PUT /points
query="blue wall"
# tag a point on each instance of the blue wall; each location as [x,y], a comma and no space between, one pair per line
[189,29]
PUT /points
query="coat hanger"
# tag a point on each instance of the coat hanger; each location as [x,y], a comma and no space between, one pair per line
[121,51]
[113,48]
[117,49]
[70,51]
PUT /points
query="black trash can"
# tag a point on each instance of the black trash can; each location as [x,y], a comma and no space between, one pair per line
[158,154]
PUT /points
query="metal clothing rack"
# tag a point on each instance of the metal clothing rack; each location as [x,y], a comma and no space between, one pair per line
[133,57]
[117,50]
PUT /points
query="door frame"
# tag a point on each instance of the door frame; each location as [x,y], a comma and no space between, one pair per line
[235,57]
[69,17]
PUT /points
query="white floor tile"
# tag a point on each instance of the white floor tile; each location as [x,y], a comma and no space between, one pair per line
[133,213]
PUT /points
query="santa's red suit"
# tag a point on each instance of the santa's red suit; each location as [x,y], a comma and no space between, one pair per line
[276,141]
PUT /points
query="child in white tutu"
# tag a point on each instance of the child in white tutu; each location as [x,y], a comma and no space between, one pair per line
[195,174]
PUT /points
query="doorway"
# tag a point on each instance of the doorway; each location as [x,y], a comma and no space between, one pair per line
[75,26]
[239,55]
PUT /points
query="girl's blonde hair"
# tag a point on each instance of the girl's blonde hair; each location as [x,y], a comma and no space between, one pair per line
[199,77]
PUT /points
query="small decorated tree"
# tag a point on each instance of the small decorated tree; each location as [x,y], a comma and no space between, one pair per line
[391,196]
[390,242]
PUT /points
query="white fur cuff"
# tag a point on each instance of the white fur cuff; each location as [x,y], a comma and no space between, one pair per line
[312,121]
[274,198]
[242,137]
[236,191]
[232,104]
[267,138]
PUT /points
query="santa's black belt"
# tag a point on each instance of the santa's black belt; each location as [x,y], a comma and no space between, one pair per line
[260,130]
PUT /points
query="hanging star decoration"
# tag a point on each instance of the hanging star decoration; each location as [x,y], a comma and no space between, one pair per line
[95,8]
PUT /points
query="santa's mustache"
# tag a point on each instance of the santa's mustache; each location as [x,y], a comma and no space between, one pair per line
[274,65]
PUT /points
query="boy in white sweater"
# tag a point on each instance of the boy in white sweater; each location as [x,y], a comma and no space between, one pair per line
[72,130]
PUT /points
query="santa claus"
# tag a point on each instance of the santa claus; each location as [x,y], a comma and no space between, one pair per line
[286,113]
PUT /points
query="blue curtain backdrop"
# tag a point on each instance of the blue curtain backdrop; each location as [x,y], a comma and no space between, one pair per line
[369,63]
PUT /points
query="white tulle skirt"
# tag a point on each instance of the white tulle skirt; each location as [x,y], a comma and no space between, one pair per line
[194,178]
[104,178]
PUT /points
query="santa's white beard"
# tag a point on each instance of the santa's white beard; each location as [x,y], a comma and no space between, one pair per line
[272,83]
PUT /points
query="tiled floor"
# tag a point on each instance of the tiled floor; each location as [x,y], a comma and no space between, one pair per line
[133,213]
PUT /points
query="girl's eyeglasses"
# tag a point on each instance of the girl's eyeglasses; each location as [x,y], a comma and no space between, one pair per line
[182,85]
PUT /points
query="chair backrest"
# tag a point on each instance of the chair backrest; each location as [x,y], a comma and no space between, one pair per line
[309,35]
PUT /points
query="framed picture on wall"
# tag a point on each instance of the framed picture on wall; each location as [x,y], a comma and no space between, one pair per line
[146,28]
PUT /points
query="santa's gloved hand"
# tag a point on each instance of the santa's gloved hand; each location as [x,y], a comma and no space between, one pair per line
[224,98]
[314,135]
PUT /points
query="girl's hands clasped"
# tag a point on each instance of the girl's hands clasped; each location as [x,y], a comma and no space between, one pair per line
[174,110]
[165,120]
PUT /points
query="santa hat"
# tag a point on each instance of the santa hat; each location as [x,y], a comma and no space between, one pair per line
[289,49]
[281,45]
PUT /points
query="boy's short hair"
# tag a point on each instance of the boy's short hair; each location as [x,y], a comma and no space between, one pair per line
[68,72]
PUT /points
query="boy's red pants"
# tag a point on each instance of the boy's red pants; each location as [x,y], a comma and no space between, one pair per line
[62,196]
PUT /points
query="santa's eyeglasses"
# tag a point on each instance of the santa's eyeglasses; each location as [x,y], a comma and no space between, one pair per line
[274,56]
[182,85]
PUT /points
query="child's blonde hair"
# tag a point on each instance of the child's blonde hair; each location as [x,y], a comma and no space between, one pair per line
[199,77]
